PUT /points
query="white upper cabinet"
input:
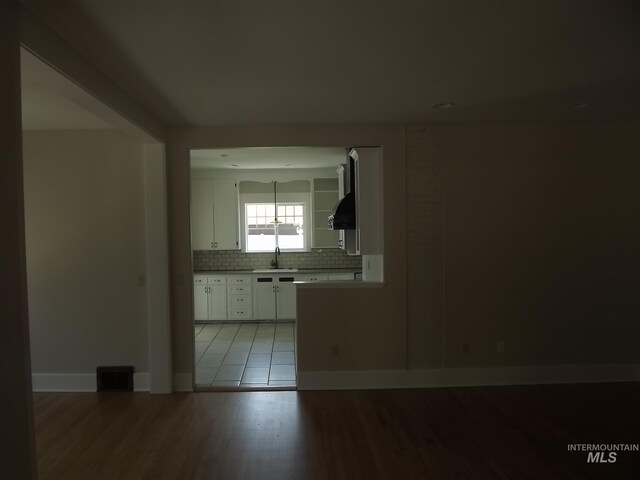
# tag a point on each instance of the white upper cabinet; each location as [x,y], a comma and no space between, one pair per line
[202,215]
[369,213]
[225,215]
[214,215]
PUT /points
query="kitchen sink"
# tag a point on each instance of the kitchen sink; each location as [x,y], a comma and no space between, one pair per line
[275,270]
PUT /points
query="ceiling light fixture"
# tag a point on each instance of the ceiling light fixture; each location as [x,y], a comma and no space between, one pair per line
[443,106]
[275,221]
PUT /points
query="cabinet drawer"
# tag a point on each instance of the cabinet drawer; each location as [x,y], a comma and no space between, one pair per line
[216,280]
[239,289]
[239,300]
[200,280]
[341,276]
[239,280]
[313,277]
[240,313]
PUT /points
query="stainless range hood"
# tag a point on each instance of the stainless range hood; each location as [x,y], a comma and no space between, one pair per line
[343,216]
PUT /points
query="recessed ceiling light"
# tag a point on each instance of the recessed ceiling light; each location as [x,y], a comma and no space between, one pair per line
[443,106]
[580,105]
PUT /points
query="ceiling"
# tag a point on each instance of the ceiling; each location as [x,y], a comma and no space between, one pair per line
[268,157]
[249,62]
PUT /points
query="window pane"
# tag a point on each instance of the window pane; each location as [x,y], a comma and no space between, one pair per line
[271,210]
[290,238]
[261,232]
[261,239]
[290,235]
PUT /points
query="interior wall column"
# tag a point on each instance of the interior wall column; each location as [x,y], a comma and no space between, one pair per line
[17,455]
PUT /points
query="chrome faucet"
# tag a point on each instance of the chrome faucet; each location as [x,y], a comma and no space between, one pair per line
[274,262]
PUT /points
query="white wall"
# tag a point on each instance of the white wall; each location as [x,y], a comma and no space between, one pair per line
[85,220]
[526,234]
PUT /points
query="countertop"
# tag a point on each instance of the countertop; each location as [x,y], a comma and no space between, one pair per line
[302,271]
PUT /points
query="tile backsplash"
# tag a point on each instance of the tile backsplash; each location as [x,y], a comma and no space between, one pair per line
[205,260]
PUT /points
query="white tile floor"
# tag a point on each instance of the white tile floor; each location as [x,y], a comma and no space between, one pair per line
[245,355]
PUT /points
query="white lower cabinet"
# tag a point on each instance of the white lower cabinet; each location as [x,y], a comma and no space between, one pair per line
[341,276]
[265,298]
[275,298]
[201,302]
[248,297]
[239,299]
[285,301]
[313,277]
[209,298]
[217,304]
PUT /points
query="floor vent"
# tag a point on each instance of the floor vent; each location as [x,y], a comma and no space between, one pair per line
[115,379]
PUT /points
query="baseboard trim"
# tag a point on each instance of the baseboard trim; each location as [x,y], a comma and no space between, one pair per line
[467,377]
[141,382]
[79,382]
[183,382]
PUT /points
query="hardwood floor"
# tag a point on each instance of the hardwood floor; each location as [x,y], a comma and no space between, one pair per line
[457,433]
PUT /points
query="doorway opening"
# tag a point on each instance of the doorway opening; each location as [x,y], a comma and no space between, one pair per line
[259,223]
[96,238]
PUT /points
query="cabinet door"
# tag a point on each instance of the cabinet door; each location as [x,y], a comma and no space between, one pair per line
[217,302]
[225,214]
[286,301]
[341,235]
[202,215]
[200,302]
[265,301]
[369,202]
[312,277]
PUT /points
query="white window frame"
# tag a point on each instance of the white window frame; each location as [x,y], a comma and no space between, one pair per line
[306,227]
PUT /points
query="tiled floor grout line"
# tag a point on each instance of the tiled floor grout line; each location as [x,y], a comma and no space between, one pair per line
[244,367]
[208,346]
[226,353]
[210,342]
[275,329]
[276,336]
[203,352]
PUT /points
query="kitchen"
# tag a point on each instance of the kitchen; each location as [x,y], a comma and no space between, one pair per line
[259,227]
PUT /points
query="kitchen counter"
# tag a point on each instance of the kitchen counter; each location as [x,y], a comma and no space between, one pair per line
[299,272]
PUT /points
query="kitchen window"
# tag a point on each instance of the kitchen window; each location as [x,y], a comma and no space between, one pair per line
[264,234]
